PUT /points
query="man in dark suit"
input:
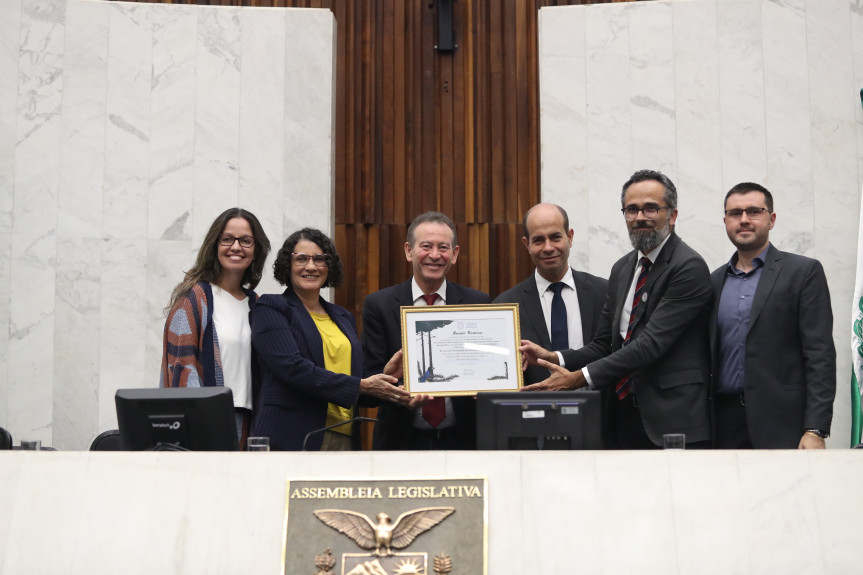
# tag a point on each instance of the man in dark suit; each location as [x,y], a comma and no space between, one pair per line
[556,300]
[651,349]
[772,336]
[442,423]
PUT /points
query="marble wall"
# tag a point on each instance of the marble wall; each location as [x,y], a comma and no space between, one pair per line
[124,130]
[711,92]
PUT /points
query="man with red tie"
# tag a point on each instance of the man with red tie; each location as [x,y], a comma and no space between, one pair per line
[442,423]
[651,349]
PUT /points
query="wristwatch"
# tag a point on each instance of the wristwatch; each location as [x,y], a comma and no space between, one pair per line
[818,432]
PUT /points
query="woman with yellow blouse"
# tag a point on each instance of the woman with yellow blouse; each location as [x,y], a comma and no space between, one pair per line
[310,356]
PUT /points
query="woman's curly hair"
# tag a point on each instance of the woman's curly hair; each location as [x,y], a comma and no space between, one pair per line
[284,259]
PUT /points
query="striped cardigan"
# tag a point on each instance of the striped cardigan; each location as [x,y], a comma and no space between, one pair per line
[190,350]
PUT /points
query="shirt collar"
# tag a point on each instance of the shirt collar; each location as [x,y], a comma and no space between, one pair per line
[543,284]
[417,292]
[757,261]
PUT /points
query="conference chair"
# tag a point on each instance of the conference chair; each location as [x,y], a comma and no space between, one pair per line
[107,441]
[5,439]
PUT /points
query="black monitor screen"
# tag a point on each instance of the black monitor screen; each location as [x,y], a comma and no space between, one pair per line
[186,418]
[539,420]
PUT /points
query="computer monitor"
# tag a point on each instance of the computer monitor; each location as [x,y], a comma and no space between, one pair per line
[177,419]
[539,420]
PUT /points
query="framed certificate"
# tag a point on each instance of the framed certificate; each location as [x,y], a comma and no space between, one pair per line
[461,349]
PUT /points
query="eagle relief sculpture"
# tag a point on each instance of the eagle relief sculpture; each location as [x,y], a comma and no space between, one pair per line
[385,535]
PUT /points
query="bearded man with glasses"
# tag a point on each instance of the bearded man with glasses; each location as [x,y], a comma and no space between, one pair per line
[774,362]
[651,348]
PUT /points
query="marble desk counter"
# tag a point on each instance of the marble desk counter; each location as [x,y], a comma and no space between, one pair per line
[550,512]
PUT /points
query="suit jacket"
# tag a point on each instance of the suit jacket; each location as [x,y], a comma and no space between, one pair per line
[382,337]
[590,290]
[668,356]
[296,387]
[789,368]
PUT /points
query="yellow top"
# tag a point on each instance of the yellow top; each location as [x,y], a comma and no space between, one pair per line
[337,358]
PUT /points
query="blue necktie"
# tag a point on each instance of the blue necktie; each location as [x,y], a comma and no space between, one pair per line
[559,329]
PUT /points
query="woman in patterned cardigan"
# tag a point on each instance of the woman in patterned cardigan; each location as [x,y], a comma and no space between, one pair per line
[207,339]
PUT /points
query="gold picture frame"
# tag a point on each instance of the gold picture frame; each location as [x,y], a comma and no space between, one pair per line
[455,350]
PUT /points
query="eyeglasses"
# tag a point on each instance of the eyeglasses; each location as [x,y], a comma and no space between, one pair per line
[228,240]
[752,213]
[320,260]
[650,211]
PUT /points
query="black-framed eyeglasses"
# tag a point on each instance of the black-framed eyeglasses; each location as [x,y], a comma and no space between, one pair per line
[320,260]
[228,240]
[751,213]
[650,211]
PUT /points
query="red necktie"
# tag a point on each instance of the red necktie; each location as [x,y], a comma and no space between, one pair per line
[435,410]
[621,390]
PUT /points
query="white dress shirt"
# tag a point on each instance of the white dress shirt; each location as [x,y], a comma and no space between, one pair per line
[570,300]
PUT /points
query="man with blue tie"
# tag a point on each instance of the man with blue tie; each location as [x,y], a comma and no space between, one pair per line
[559,307]
[774,362]
[651,348]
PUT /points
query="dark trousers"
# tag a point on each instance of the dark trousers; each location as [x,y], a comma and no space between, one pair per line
[731,430]
[626,429]
[430,439]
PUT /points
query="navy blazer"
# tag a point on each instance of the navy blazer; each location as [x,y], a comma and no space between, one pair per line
[789,372]
[590,290]
[382,337]
[669,355]
[296,387]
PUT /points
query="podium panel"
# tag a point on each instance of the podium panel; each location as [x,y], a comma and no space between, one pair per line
[548,512]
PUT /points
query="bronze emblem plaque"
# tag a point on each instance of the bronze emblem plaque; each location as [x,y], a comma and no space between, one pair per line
[386,527]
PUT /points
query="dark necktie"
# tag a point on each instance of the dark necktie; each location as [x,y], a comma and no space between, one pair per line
[435,410]
[559,330]
[621,390]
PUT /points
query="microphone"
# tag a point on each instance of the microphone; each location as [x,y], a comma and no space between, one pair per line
[162,446]
[327,428]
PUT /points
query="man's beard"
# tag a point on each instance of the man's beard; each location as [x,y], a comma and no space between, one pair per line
[647,242]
